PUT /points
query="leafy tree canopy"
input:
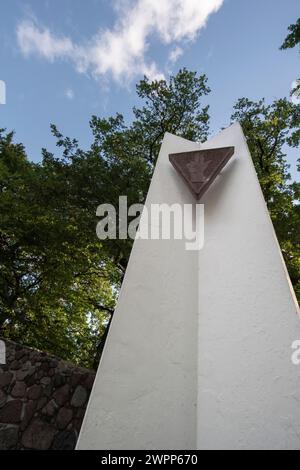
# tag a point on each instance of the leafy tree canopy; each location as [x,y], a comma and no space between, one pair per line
[270,129]
[58,282]
[293,38]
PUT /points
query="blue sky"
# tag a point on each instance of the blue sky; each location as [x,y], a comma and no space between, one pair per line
[64,60]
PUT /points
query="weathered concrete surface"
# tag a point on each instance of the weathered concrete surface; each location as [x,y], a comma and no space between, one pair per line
[199,353]
[145,391]
[248,388]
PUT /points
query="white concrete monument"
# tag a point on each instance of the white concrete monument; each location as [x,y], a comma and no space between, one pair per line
[199,351]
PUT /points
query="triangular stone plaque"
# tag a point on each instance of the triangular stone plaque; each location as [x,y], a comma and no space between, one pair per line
[201,167]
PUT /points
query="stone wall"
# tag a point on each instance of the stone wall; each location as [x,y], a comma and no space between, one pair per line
[42,400]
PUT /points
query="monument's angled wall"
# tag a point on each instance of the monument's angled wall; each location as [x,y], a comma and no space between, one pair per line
[199,351]
[42,400]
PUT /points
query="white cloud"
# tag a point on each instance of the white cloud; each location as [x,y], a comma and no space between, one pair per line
[175,54]
[122,50]
[34,40]
[69,93]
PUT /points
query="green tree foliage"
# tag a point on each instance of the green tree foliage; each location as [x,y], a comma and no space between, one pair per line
[270,130]
[54,292]
[58,282]
[293,38]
